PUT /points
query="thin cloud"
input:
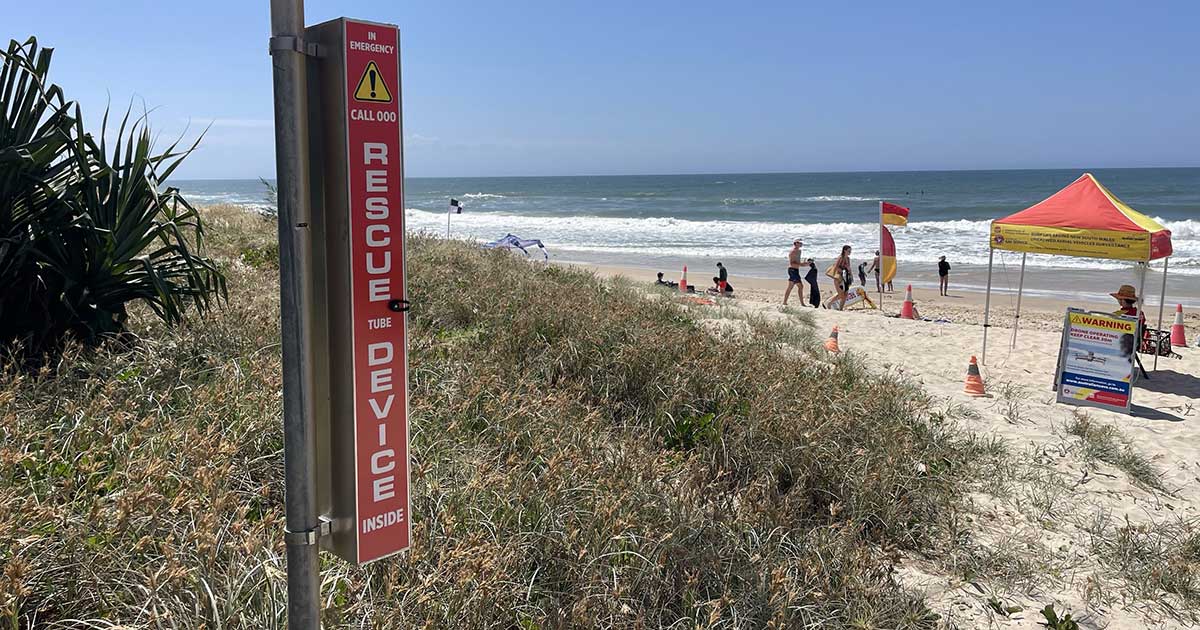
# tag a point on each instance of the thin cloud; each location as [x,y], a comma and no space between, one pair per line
[418,139]
[240,123]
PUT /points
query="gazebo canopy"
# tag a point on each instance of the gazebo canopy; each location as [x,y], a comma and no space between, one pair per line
[1086,220]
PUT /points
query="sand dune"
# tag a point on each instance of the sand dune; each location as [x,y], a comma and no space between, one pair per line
[1055,511]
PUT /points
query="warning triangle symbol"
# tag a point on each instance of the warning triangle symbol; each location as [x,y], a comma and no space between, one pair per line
[372,87]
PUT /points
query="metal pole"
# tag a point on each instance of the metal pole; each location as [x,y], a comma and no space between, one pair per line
[1162,299]
[447,223]
[987,306]
[288,63]
[1141,301]
[1142,290]
[1020,288]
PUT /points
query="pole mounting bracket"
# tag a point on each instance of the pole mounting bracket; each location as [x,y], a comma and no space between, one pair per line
[293,44]
[308,536]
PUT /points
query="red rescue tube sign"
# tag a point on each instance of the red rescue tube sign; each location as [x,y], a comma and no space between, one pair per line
[380,381]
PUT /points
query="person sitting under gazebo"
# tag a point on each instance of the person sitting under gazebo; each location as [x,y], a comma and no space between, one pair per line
[1152,340]
[1127,297]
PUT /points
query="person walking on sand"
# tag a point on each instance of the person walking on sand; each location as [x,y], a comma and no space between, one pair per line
[875,268]
[722,277]
[842,276]
[794,262]
[943,276]
[814,292]
[862,274]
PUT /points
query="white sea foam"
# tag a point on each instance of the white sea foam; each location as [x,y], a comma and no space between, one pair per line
[1188,229]
[747,201]
[762,201]
[962,241]
[839,198]
[482,195]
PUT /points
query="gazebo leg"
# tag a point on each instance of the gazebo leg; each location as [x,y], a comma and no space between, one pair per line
[1162,298]
[987,306]
[1020,289]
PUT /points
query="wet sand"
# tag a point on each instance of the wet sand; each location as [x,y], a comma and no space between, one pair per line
[962,306]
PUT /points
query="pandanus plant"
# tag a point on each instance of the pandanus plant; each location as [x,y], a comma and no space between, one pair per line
[86,228]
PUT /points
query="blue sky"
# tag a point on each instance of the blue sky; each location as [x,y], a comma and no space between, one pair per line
[565,87]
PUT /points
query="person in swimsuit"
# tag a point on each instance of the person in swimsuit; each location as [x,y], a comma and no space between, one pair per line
[794,272]
[842,276]
[721,287]
[876,268]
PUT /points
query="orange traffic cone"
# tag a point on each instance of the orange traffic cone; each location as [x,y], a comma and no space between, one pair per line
[1178,337]
[831,344]
[683,281]
[906,311]
[974,385]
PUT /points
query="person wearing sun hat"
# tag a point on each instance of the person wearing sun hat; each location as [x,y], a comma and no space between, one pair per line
[1127,297]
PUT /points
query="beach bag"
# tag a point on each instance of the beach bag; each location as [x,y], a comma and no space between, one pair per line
[832,271]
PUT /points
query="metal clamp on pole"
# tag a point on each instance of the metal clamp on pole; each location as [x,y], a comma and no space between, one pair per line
[294,44]
[310,536]
[399,306]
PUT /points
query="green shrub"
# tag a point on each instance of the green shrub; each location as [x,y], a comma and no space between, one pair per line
[85,227]
[1054,622]
[258,256]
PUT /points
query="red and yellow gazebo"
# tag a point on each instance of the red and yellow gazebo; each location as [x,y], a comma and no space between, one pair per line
[1083,220]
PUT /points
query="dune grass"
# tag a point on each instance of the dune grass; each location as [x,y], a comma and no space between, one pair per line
[1159,563]
[1104,443]
[583,456]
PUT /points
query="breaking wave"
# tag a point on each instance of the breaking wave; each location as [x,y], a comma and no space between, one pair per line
[962,241]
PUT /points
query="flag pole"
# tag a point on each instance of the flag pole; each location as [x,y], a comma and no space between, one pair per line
[879,263]
[448,222]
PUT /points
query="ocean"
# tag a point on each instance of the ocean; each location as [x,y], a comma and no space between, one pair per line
[748,221]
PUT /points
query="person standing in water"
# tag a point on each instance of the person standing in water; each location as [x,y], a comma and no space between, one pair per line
[814,292]
[943,275]
[794,262]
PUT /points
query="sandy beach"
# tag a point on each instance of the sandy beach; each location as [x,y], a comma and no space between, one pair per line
[960,307]
[1049,510]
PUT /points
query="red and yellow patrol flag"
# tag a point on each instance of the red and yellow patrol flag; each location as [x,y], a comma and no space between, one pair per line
[887,255]
[893,214]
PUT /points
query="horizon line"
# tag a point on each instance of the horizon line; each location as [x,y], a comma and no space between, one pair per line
[716,173]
